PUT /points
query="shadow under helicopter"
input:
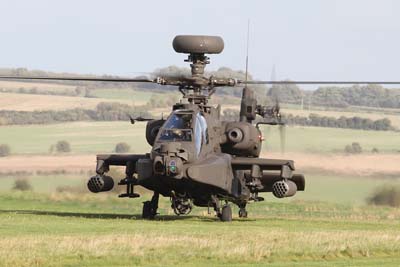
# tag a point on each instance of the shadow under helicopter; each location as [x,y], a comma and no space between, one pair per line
[111,216]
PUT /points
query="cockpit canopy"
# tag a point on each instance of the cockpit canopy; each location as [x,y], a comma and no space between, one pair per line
[185,126]
[177,128]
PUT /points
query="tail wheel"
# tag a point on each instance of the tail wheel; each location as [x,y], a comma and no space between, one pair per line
[226,214]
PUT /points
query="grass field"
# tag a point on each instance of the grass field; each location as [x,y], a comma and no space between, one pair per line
[83,136]
[30,102]
[84,230]
[320,187]
[125,94]
[89,137]
[327,225]
[26,102]
[44,183]
[140,97]
[111,93]
[39,86]
[328,140]
[394,118]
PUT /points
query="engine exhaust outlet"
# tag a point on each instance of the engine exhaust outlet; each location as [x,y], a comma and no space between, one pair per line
[100,183]
[283,188]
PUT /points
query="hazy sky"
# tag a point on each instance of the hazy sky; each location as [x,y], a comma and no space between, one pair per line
[307,39]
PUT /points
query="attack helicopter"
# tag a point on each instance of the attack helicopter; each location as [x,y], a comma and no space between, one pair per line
[197,159]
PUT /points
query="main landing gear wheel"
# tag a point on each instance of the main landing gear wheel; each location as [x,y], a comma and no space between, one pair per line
[226,213]
[149,210]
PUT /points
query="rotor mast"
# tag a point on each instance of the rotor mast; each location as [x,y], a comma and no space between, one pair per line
[199,62]
[197,66]
[198,88]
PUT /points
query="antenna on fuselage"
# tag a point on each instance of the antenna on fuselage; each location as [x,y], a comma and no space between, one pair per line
[248,103]
[247,52]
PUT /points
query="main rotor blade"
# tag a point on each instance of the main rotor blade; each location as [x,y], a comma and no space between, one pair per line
[318,82]
[86,79]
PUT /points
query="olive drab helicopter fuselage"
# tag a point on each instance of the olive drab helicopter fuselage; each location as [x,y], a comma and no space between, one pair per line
[198,159]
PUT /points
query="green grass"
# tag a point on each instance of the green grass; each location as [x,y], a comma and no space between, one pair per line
[123,93]
[93,137]
[354,109]
[84,137]
[100,230]
[327,188]
[342,189]
[328,225]
[327,140]
[44,183]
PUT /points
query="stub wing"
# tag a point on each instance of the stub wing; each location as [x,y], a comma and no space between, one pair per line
[268,171]
[244,163]
[104,161]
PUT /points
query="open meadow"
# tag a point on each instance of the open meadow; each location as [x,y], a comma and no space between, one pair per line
[25,102]
[281,119]
[392,115]
[102,136]
[46,96]
[67,229]
[59,223]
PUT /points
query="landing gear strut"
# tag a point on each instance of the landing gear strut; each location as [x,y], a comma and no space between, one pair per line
[150,207]
[242,211]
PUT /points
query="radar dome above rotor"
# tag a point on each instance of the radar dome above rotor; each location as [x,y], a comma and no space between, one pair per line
[198,44]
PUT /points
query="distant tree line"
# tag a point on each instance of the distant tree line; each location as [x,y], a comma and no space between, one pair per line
[339,97]
[170,71]
[78,91]
[341,122]
[369,95]
[103,112]
[230,114]
[90,85]
[325,121]
[162,101]
[329,96]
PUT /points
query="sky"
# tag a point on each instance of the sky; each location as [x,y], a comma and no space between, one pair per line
[304,40]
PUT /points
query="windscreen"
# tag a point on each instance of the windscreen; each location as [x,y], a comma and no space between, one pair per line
[178,127]
[200,132]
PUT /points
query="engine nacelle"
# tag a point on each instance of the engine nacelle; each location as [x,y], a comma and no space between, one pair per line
[235,135]
[241,139]
[152,128]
